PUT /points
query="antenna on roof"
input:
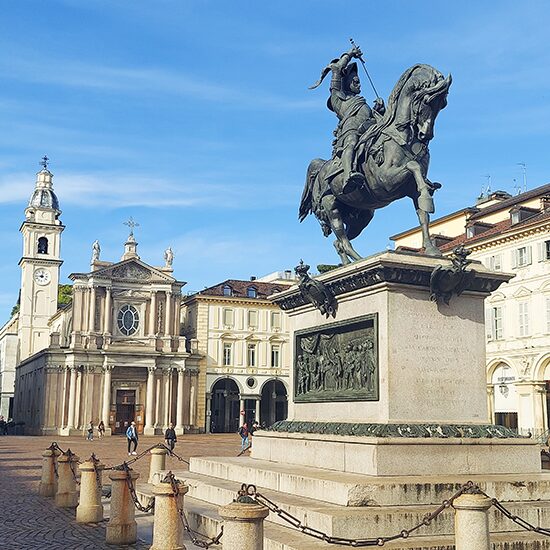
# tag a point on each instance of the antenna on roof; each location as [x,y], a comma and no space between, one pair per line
[524,171]
[485,191]
[517,186]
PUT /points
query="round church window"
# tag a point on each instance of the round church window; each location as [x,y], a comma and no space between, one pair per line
[128,320]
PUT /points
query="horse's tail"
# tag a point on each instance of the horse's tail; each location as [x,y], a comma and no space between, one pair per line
[306,204]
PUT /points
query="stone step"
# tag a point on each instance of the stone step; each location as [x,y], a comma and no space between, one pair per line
[361,490]
[355,522]
[204,518]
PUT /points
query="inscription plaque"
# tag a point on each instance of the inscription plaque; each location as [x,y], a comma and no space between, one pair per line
[337,362]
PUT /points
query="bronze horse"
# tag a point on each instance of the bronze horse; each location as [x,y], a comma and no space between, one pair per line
[393,156]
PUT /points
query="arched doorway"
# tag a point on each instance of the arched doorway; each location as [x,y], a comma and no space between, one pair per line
[274,402]
[225,406]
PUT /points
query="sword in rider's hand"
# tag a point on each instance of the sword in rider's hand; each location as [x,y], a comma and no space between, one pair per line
[365,67]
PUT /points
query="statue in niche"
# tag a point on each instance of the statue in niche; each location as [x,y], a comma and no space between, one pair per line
[96,251]
[168,257]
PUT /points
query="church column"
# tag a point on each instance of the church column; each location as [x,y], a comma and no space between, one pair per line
[91,311]
[107,312]
[168,318]
[179,407]
[77,308]
[106,394]
[153,314]
[167,401]
[149,428]
[72,397]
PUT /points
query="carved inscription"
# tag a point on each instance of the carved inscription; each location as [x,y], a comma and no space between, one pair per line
[435,363]
[337,362]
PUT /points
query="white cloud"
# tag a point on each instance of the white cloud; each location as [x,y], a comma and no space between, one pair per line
[114,190]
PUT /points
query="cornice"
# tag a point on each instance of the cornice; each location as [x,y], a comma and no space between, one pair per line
[519,233]
[39,261]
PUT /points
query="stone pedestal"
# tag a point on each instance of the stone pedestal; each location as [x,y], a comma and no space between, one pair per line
[158,462]
[66,495]
[90,509]
[48,481]
[122,526]
[396,383]
[168,528]
[243,525]
[472,522]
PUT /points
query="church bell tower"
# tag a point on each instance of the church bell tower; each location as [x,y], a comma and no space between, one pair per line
[40,265]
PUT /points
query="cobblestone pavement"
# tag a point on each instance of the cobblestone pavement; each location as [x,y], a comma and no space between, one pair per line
[31,522]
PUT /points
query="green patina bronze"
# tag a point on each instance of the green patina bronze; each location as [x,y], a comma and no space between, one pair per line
[467,431]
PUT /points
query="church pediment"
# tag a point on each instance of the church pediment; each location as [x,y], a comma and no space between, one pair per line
[133,270]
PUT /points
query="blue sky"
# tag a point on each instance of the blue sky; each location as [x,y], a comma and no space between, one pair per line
[195,119]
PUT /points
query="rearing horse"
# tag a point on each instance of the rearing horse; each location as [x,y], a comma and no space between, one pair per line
[392,155]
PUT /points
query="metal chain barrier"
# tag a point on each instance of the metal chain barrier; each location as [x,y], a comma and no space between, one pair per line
[95,461]
[70,454]
[516,519]
[250,491]
[132,490]
[204,542]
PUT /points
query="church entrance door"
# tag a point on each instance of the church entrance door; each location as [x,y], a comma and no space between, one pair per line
[125,409]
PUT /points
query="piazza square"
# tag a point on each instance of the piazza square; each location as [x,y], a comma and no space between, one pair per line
[221,330]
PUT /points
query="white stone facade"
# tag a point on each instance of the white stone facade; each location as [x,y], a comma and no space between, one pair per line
[510,234]
[244,341]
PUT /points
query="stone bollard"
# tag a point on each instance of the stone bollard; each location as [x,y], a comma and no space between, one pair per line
[122,527]
[48,481]
[90,509]
[243,524]
[158,462]
[66,495]
[168,528]
[472,522]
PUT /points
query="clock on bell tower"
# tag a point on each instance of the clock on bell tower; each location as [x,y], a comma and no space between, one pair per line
[40,265]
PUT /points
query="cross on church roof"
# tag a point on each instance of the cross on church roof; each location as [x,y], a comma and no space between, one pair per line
[131,224]
[44,162]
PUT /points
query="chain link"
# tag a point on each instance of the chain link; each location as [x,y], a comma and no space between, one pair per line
[251,492]
[133,494]
[95,461]
[70,454]
[204,542]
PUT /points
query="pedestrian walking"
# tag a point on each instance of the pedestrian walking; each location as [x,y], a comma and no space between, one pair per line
[101,429]
[170,437]
[90,434]
[243,432]
[132,436]
[3,426]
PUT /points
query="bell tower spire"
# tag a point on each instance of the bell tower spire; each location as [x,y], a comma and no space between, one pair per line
[39,264]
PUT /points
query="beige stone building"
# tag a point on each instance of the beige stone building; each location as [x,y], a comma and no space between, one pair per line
[114,353]
[8,358]
[511,234]
[244,343]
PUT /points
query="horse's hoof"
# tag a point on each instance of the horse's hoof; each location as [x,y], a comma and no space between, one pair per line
[432,250]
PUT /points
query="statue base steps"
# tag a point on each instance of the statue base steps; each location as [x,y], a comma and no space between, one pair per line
[391,504]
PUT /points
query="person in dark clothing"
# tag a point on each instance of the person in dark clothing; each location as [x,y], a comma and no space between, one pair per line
[170,437]
[132,436]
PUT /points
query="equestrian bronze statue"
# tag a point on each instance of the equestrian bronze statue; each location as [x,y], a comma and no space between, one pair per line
[379,155]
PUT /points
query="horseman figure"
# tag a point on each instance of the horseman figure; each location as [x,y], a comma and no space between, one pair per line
[354,114]
[379,154]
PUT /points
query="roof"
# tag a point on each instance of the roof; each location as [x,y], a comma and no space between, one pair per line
[497,229]
[512,201]
[239,289]
[477,213]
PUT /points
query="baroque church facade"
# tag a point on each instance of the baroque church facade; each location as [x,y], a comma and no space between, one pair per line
[114,353]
